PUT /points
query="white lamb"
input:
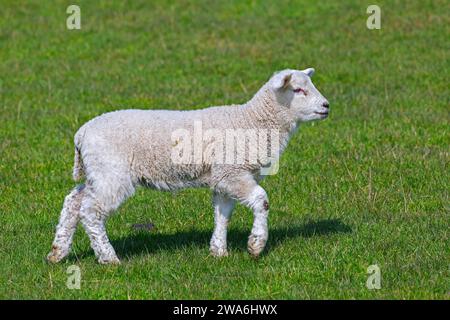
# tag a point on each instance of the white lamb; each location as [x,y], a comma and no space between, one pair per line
[120,150]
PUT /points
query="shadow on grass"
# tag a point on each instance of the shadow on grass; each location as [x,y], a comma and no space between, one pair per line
[139,243]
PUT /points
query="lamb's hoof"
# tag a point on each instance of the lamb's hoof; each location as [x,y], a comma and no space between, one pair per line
[255,245]
[56,255]
[218,252]
[109,261]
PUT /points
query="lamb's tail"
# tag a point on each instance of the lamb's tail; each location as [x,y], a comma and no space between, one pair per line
[78,169]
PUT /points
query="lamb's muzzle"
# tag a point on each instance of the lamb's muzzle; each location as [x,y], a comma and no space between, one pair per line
[168,150]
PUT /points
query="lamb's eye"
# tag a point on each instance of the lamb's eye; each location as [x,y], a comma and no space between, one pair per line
[300,90]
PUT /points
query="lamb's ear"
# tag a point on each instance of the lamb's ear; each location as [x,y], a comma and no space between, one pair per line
[309,72]
[281,80]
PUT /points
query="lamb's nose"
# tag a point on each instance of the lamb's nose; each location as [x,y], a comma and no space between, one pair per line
[326,105]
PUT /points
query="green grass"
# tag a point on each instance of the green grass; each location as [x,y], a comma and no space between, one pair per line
[367,186]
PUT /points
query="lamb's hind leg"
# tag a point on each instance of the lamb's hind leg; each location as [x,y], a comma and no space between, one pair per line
[67,225]
[96,207]
[223,207]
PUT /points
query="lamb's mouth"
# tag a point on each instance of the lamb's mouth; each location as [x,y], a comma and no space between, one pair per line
[322,113]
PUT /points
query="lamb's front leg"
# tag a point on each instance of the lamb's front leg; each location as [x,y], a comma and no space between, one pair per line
[259,203]
[223,207]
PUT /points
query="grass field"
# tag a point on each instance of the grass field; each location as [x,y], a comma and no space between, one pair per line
[367,186]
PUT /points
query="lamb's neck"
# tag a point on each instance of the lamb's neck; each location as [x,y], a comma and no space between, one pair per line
[263,111]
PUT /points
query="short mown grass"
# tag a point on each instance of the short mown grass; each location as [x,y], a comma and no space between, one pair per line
[367,186]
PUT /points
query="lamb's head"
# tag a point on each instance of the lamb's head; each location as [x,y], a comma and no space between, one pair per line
[294,89]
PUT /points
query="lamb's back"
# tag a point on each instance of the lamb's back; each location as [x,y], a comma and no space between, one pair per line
[142,140]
